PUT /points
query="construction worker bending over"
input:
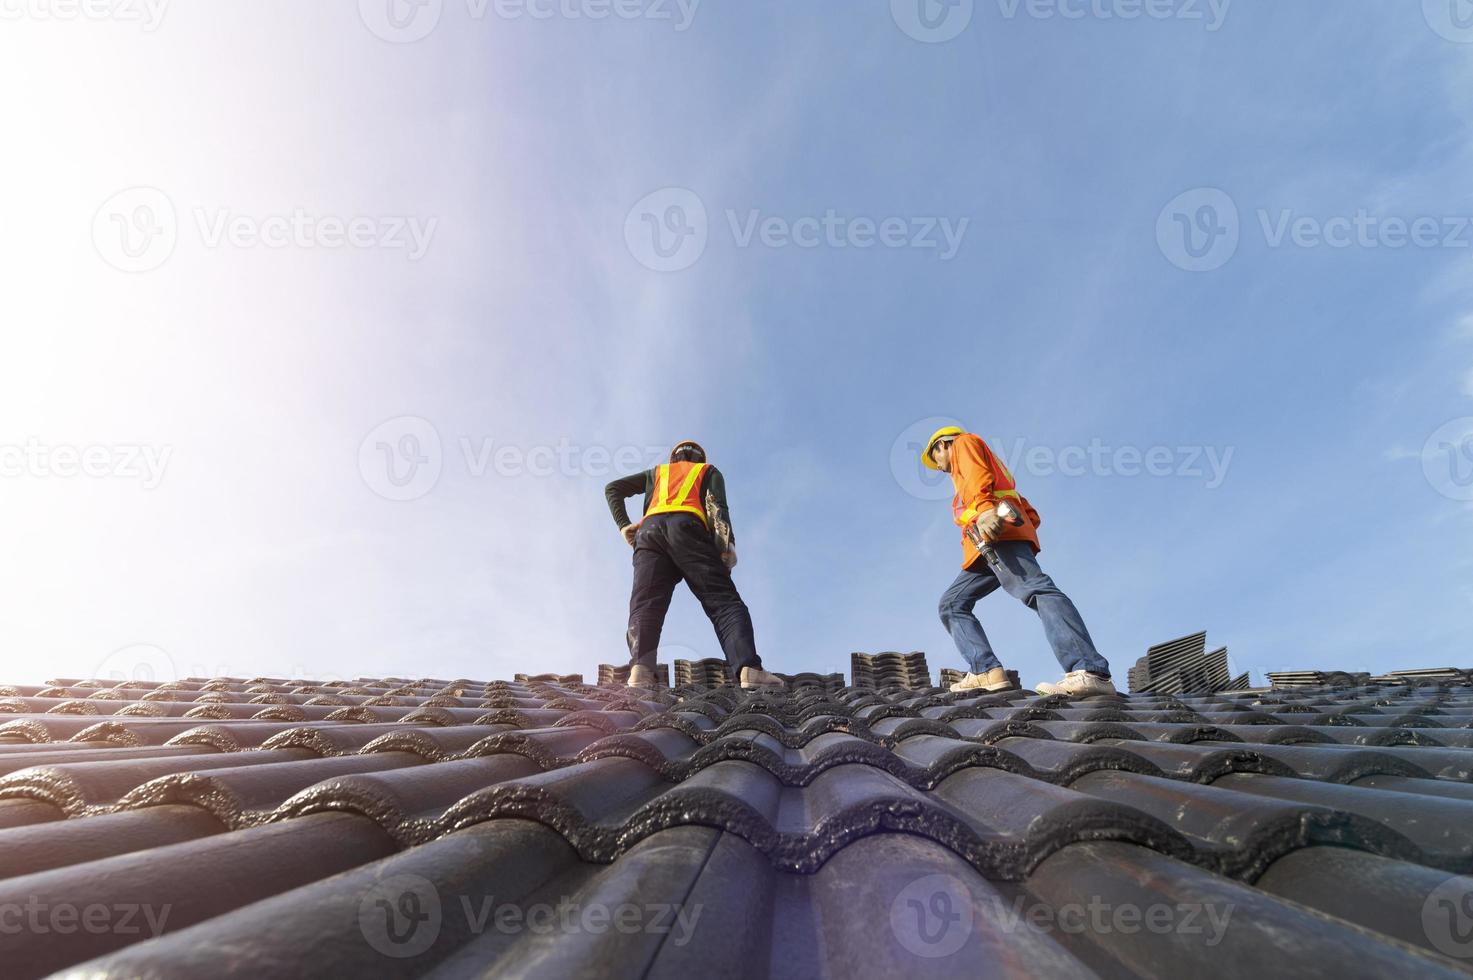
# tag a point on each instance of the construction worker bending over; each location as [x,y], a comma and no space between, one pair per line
[1008,559]
[685,535]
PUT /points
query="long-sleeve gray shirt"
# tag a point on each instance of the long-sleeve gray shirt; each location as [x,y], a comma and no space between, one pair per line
[713,497]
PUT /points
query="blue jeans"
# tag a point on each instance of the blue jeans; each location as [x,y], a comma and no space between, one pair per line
[1015,568]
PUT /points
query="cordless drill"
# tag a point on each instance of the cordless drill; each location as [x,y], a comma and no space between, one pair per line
[1009,515]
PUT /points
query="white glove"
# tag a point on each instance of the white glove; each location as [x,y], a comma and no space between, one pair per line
[729,558]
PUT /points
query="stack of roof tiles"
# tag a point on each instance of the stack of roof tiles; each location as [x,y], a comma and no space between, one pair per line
[1182,665]
[882,670]
[612,676]
[396,829]
[1430,675]
[711,672]
[553,678]
[1284,679]
[809,679]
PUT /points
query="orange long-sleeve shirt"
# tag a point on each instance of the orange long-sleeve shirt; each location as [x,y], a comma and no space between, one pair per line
[978,476]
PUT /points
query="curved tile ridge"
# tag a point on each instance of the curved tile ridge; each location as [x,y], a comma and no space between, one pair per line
[45,784]
[765,724]
[25,729]
[191,789]
[408,807]
[997,849]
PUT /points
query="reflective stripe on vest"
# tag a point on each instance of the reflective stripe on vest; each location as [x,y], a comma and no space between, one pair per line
[1003,476]
[686,499]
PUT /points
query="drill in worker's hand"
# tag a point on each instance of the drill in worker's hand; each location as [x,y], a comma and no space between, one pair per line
[1008,515]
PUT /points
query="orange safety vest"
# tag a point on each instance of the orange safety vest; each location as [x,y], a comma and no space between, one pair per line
[678,490]
[1005,486]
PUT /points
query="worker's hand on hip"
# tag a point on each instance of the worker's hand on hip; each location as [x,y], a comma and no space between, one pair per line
[990,525]
[630,530]
[728,558]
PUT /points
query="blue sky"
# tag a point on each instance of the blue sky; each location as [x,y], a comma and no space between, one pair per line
[1331,383]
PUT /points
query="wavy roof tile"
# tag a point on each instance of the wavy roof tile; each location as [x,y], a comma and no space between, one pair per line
[546,827]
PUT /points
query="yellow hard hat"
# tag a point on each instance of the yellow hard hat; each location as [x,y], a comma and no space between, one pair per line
[946,432]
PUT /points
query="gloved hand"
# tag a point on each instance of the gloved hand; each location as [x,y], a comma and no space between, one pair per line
[728,558]
[989,524]
[629,531]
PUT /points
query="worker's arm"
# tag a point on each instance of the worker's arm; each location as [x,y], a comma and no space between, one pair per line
[975,480]
[624,488]
[717,511]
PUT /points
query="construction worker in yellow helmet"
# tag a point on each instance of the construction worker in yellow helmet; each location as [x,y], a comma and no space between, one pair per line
[986,495]
[685,535]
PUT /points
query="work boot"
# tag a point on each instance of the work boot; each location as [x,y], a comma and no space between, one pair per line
[994,680]
[641,677]
[756,677]
[1079,684]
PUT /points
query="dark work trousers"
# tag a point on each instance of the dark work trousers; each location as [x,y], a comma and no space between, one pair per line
[668,549]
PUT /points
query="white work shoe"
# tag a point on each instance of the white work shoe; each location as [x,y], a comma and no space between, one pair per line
[756,677]
[640,677]
[1079,684]
[994,680]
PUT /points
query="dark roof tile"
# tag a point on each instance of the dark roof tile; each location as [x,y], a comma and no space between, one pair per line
[801,825]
